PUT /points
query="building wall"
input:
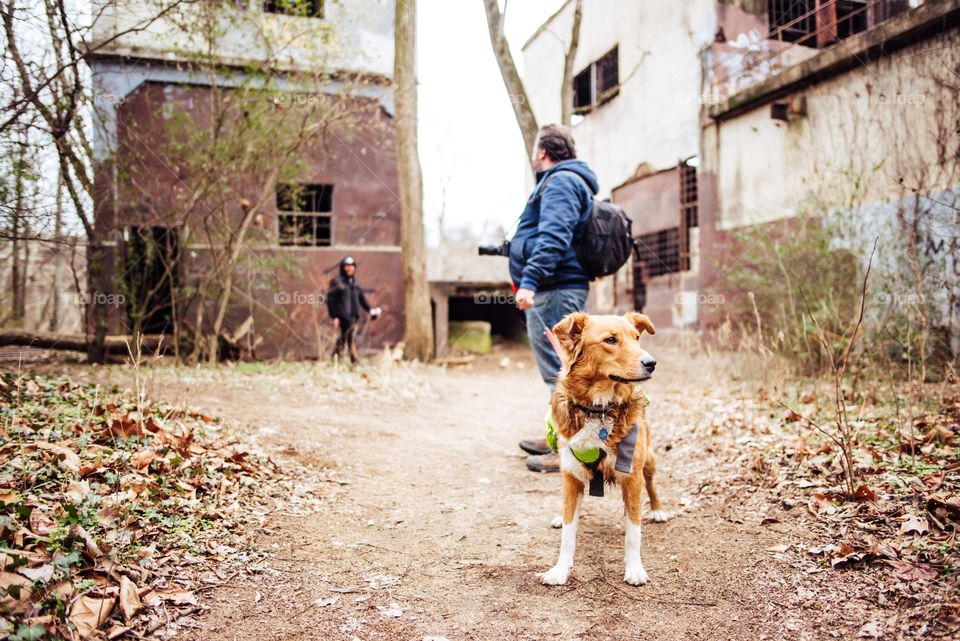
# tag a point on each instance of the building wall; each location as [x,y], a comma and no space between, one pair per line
[355,36]
[281,287]
[877,151]
[654,121]
[864,131]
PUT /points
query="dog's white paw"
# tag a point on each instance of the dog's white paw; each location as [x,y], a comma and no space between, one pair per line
[557,522]
[557,575]
[636,575]
[659,516]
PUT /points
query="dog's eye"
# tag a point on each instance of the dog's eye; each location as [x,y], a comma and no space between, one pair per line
[610,340]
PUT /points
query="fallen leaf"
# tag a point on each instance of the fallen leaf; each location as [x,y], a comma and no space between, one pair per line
[910,571]
[170,595]
[70,460]
[16,588]
[864,493]
[915,524]
[40,574]
[130,602]
[142,458]
[821,504]
[76,492]
[778,548]
[88,613]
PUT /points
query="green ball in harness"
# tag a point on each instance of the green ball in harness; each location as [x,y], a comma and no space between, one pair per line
[587,456]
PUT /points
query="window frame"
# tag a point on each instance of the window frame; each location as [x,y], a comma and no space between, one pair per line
[593,72]
[300,204]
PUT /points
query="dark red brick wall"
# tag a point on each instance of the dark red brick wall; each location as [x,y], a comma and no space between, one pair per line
[282,287]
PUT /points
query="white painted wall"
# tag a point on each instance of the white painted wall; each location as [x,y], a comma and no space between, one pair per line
[867,129]
[655,118]
[353,36]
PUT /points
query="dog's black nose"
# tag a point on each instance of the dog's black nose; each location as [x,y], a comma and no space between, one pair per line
[649,362]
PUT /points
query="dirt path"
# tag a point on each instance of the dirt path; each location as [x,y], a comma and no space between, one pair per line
[431,526]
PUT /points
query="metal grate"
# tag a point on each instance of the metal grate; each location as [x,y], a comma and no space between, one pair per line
[792,20]
[659,252]
[689,211]
[608,75]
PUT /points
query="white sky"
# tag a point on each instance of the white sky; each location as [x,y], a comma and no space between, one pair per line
[471,150]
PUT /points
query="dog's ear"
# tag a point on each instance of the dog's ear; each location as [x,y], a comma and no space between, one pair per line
[569,331]
[641,322]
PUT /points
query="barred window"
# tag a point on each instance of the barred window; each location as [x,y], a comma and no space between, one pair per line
[659,251]
[598,83]
[608,75]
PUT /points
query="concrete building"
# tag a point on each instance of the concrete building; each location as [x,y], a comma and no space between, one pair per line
[703,117]
[161,66]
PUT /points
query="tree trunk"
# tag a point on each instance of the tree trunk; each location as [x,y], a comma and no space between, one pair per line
[522,108]
[97,305]
[566,89]
[54,324]
[417,318]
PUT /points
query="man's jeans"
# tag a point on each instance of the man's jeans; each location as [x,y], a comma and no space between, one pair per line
[551,306]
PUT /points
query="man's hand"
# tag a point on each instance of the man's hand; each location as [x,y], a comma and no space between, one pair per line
[524,298]
[336,322]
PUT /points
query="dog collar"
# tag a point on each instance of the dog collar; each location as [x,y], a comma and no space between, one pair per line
[597,410]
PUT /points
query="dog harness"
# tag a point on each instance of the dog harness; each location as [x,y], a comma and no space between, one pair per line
[592,456]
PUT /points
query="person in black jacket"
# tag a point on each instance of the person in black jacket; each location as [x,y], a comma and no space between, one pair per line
[345,298]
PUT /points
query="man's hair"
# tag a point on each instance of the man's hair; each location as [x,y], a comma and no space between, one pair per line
[558,142]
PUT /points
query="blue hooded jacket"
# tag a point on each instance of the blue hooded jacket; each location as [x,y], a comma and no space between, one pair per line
[541,251]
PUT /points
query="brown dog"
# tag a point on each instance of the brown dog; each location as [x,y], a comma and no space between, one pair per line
[598,404]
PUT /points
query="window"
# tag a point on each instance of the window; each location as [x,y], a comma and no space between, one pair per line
[309,223]
[659,251]
[302,8]
[689,213]
[598,83]
[792,20]
[851,17]
[608,75]
[818,24]
[583,92]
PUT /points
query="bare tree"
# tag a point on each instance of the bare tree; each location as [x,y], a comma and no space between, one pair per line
[522,108]
[418,325]
[566,89]
[53,93]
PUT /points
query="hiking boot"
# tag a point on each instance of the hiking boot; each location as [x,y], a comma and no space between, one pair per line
[543,463]
[535,446]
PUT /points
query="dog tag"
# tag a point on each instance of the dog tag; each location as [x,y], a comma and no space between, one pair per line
[603,433]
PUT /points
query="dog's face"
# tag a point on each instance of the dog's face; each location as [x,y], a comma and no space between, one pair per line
[608,346]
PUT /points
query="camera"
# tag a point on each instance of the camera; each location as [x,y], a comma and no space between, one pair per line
[503,249]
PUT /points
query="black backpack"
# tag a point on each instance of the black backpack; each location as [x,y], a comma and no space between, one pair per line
[606,240]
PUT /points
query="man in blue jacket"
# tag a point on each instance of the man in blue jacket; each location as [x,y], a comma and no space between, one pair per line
[550,280]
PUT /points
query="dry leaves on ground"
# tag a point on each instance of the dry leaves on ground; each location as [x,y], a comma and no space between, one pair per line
[110,510]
